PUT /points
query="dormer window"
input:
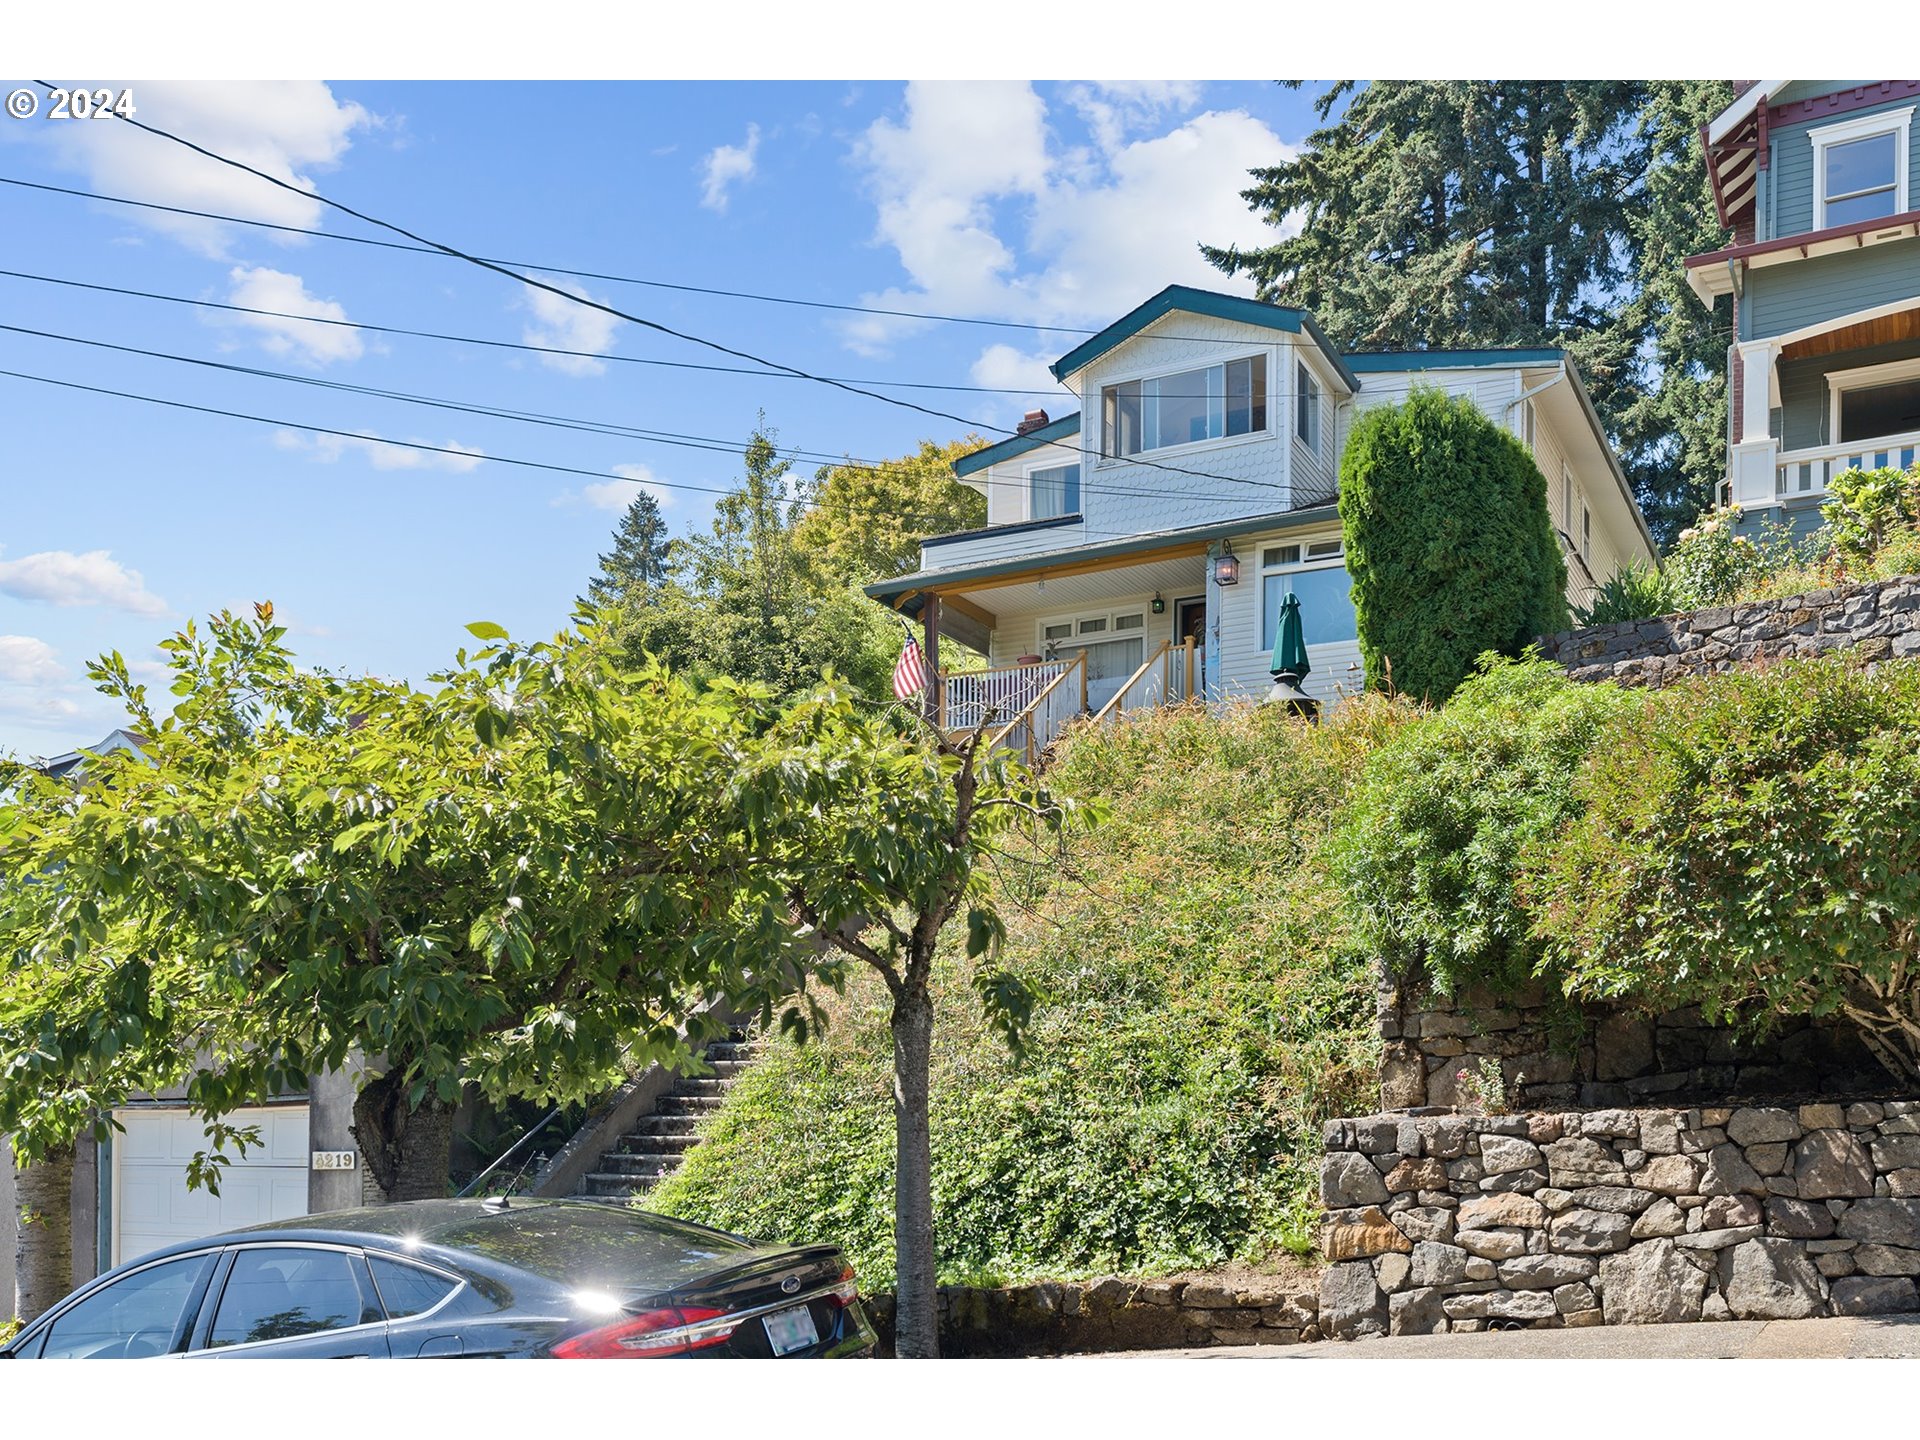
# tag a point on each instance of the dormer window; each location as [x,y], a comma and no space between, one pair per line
[1860,168]
[1053,491]
[1218,401]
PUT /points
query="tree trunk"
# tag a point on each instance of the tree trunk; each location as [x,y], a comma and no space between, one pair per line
[917,1319]
[43,1253]
[405,1148]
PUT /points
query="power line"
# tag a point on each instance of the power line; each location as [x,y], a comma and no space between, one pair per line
[372,328]
[629,316]
[622,280]
[552,269]
[533,417]
[475,339]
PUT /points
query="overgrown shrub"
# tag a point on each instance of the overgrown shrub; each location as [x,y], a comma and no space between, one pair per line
[1635,591]
[1203,1007]
[1749,843]
[1448,541]
[1429,849]
[1867,509]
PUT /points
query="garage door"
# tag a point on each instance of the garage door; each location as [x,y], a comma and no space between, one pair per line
[152,1205]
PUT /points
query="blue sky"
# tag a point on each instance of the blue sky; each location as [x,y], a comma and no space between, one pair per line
[1052,204]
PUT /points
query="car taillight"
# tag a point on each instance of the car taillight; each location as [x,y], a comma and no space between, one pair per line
[846,1289]
[652,1333]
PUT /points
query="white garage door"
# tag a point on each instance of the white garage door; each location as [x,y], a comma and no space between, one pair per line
[152,1205]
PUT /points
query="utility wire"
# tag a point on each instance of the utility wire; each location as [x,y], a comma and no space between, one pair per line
[550,269]
[622,280]
[626,315]
[475,339]
[370,327]
[598,427]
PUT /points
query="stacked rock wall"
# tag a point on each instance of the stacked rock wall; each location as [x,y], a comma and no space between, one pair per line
[1440,1222]
[1550,1056]
[1880,620]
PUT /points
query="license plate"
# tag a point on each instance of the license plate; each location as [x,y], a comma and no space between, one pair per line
[791,1330]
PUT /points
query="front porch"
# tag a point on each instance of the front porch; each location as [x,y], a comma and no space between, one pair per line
[1842,394]
[1099,631]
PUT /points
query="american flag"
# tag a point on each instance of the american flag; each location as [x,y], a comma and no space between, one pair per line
[910,672]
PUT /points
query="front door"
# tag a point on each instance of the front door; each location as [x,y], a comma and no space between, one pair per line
[1190,623]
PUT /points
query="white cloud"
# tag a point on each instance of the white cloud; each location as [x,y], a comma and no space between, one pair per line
[617,495]
[563,325]
[259,288]
[285,128]
[27,661]
[61,577]
[1005,367]
[991,214]
[728,165]
[35,688]
[384,454]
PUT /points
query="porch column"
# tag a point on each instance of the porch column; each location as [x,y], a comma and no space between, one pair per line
[1750,463]
[930,647]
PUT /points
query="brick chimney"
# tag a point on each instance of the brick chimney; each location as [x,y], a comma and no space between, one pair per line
[1034,421]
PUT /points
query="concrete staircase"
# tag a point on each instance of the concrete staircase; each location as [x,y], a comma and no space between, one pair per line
[658,1142]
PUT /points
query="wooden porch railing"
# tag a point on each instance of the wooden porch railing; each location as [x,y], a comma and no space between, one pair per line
[1029,704]
[1164,677]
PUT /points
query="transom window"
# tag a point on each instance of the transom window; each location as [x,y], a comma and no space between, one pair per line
[1860,168]
[1218,401]
[1314,573]
[1053,491]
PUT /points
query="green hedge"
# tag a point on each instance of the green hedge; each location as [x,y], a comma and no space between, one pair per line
[1449,543]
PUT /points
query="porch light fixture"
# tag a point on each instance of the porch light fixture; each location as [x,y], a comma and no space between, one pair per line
[1226,568]
[1159,605]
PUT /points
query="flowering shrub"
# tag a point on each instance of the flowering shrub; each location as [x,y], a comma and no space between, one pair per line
[1713,565]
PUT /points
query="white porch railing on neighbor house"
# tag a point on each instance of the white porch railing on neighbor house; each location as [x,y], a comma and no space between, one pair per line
[1026,706]
[1809,472]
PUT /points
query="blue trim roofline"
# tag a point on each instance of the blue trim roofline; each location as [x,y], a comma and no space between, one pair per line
[1393,361]
[1200,302]
[1019,445]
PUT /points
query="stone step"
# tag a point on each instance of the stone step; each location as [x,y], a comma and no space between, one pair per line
[659,1164]
[687,1104]
[699,1087]
[655,1145]
[656,1125]
[602,1186]
[725,1069]
[742,1050]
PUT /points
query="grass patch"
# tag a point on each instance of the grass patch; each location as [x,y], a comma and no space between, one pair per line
[1203,1010]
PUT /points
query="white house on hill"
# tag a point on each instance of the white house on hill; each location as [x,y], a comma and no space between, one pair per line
[1140,550]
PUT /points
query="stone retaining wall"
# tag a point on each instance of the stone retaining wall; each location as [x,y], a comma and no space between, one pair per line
[1058,1318]
[1881,619]
[1551,1055]
[1440,1222]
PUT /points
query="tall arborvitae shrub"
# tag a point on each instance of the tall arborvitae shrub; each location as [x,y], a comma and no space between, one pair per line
[1449,543]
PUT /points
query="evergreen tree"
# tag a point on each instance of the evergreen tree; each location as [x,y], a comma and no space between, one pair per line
[637,564]
[1517,213]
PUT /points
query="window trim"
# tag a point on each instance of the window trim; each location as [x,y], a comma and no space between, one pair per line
[1104,460]
[1863,377]
[1028,471]
[1073,617]
[1898,123]
[1309,442]
[1337,561]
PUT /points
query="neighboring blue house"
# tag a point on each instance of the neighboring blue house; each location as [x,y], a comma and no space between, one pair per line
[1141,550]
[1815,180]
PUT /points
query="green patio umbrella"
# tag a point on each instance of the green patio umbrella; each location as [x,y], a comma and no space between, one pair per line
[1290,665]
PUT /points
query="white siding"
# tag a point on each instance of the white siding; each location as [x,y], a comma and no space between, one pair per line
[1246,670]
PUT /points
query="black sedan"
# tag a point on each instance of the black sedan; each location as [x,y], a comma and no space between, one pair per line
[464,1277]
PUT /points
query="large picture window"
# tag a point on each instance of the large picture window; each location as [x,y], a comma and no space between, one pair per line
[1213,403]
[1860,168]
[1325,591]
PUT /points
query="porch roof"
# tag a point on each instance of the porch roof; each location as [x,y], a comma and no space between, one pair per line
[1157,544]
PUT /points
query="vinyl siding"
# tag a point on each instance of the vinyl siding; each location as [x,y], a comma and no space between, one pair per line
[1245,668]
[1784,298]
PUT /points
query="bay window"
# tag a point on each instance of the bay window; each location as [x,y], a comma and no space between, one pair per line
[1212,403]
